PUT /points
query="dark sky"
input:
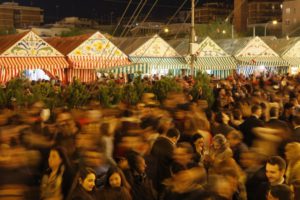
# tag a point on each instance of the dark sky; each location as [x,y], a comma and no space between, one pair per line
[102,9]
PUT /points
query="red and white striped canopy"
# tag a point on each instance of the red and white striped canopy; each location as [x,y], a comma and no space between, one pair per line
[96,62]
[22,63]
[83,75]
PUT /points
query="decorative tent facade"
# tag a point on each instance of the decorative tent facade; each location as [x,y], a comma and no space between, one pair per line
[255,55]
[28,51]
[89,53]
[158,56]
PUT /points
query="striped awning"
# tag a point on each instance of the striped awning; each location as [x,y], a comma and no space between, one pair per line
[96,62]
[292,61]
[261,61]
[22,63]
[162,62]
[214,63]
[131,69]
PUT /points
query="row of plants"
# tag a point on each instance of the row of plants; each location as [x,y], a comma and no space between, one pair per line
[21,92]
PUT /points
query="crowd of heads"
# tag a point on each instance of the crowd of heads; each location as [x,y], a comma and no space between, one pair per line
[245,146]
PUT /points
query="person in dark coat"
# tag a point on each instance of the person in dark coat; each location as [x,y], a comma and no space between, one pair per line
[223,128]
[85,189]
[275,170]
[141,184]
[162,156]
[116,186]
[296,131]
[252,122]
[275,122]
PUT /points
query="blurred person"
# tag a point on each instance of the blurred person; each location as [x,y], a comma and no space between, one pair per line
[161,158]
[197,142]
[287,114]
[116,186]
[280,192]
[275,170]
[219,150]
[85,189]
[275,122]
[183,158]
[236,118]
[223,126]
[235,140]
[250,123]
[186,185]
[293,169]
[141,184]
[57,179]
[296,131]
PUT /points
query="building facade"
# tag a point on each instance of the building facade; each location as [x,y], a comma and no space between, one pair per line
[12,15]
[291,17]
[207,13]
[264,11]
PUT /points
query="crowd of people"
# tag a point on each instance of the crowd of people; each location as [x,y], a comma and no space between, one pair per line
[245,146]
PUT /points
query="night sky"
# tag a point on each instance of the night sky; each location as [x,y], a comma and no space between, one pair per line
[102,10]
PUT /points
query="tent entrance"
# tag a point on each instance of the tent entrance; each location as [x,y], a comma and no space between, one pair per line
[36,74]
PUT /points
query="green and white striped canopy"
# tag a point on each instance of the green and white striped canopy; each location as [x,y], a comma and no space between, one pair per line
[214,63]
[294,62]
[162,62]
[131,69]
[261,61]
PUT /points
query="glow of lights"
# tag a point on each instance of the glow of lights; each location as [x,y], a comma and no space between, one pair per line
[166,30]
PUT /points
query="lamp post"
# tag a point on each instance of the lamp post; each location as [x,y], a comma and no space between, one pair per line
[192,37]
[274,22]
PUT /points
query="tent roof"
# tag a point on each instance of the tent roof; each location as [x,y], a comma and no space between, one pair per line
[129,44]
[67,44]
[181,45]
[233,46]
[7,41]
[281,46]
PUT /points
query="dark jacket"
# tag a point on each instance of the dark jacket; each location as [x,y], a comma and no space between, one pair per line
[296,135]
[81,194]
[141,186]
[246,128]
[161,158]
[120,193]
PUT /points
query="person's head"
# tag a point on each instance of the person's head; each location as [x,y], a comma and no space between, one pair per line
[274,112]
[197,142]
[136,162]
[219,142]
[280,192]
[87,178]
[234,138]
[115,178]
[173,134]
[57,158]
[292,151]
[256,110]
[275,169]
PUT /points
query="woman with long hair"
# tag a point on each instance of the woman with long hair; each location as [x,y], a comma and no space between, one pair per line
[57,179]
[116,186]
[85,189]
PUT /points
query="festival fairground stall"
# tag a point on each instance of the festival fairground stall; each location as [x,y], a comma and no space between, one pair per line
[154,52]
[289,50]
[88,54]
[210,58]
[28,55]
[253,55]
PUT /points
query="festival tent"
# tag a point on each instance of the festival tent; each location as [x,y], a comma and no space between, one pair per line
[289,50]
[27,51]
[210,57]
[253,55]
[89,53]
[158,56]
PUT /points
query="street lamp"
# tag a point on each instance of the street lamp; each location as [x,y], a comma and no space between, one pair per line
[274,22]
[166,30]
